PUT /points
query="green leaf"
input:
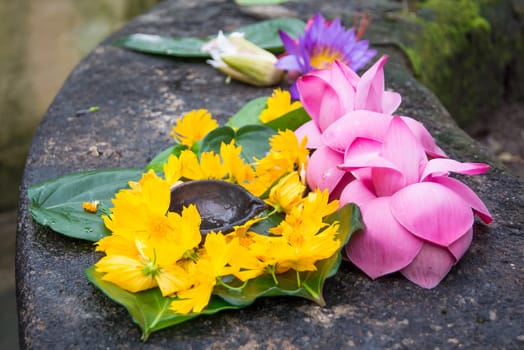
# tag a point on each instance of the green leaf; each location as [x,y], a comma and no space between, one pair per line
[157,163]
[213,140]
[254,140]
[263,34]
[307,284]
[249,113]
[149,309]
[291,120]
[57,203]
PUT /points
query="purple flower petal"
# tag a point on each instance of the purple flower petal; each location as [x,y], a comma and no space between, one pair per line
[432,212]
[430,266]
[385,246]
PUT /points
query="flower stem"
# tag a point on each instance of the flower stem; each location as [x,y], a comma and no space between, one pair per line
[234,289]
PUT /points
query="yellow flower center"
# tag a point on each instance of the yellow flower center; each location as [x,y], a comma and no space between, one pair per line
[158,227]
[323,57]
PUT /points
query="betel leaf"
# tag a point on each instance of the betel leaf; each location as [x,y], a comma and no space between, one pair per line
[157,163]
[149,309]
[254,140]
[249,113]
[263,34]
[291,120]
[307,284]
[57,203]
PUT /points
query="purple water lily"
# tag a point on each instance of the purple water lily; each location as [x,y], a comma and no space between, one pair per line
[322,44]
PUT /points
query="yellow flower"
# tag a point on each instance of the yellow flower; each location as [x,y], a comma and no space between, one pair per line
[90,207]
[137,271]
[245,265]
[211,166]
[196,297]
[134,208]
[148,242]
[288,151]
[278,104]
[285,155]
[125,272]
[238,171]
[193,126]
[287,193]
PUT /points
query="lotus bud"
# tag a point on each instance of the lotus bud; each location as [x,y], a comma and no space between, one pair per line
[242,60]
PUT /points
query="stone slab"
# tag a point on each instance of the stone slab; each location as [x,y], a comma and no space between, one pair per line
[478,305]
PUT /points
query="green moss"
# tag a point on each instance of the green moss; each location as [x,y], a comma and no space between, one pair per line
[449,54]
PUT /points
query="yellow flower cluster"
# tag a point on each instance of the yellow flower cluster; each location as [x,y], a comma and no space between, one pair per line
[153,247]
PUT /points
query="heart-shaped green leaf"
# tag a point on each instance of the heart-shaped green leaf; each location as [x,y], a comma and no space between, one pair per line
[291,120]
[57,203]
[160,159]
[149,309]
[263,34]
[249,113]
[254,140]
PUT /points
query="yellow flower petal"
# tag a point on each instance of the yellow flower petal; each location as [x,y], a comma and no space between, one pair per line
[193,126]
[125,272]
[278,104]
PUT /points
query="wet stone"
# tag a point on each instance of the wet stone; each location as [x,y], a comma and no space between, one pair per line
[478,305]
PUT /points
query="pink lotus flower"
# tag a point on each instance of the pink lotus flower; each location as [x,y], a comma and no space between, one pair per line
[418,219]
[343,107]
[329,94]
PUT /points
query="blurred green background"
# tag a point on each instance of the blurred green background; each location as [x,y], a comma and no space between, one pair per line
[40,43]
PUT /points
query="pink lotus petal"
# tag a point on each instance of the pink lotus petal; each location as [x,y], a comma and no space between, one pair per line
[342,80]
[387,181]
[390,102]
[385,246]
[432,212]
[461,245]
[371,160]
[310,130]
[322,171]
[466,194]
[442,166]
[430,266]
[370,88]
[365,124]
[320,100]
[342,184]
[358,192]
[403,149]
[425,138]
[362,147]
[351,77]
